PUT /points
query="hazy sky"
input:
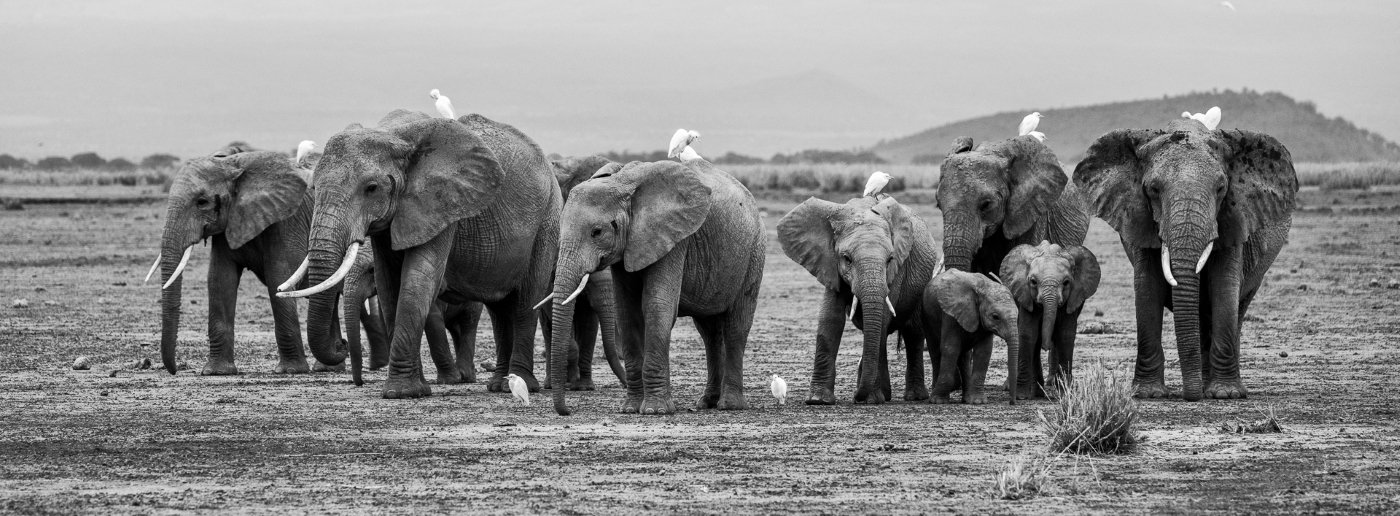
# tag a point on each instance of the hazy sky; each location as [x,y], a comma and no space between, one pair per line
[134,77]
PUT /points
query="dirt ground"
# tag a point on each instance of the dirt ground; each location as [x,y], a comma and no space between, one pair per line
[1318,349]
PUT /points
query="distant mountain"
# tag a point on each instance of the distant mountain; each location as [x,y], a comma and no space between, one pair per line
[1310,136]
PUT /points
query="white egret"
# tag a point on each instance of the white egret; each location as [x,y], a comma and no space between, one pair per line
[1029,123]
[444,104]
[1229,5]
[518,389]
[680,142]
[877,182]
[779,388]
[303,150]
[1210,119]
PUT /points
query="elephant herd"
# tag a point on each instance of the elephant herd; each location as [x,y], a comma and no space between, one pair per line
[413,227]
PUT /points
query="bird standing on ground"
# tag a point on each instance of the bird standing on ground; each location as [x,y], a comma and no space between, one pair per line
[444,104]
[877,182]
[779,388]
[518,389]
[1029,123]
[303,150]
[680,142]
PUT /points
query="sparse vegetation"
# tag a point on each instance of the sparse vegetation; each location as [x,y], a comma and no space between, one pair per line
[830,178]
[1024,476]
[1348,176]
[1267,425]
[1094,414]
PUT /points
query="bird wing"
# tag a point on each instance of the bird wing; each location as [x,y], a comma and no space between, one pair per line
[678,143]
[875,184]
[1027,125]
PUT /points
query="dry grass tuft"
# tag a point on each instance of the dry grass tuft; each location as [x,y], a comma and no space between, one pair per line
[1094,414]
[1024,476]
[1267,425]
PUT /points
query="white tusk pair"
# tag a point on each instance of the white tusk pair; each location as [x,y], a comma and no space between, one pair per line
[152,272]
[335,279]
[581,284]
[296,276]
[178,268]
[854,303]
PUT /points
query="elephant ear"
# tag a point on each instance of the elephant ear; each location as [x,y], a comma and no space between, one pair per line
[901,221]
[267,190]
[956,292]
[450,175]
[1034,178]
[569,172]
[807,237]
[669,202]
[1263,184]
[1111,176]
[1016,274]
[1084,267]
[399,117]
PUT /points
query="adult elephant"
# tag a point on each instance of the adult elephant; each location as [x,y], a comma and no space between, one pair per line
[875,255]
[1201,214]
[458,210]
[993,198]
[681,240]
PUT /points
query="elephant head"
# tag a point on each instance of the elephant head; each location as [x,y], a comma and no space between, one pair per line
[1186,189]
[1051,277]
[856,248]
[977,303]
[630,215]
[407,181]
[574,170]
[235,192]
[1001,187]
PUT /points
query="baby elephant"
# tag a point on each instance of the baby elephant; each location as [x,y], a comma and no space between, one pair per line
[1050,284]
[983,308]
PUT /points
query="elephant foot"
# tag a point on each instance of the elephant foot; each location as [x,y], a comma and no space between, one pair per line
[1029,392]
[375,365]
[529,378]
[450,377]
[222,367]
[1151,389]
[468,374]
[411,386]
[631,405]
[874,398]
[323,368]
[975,398]
[940,399]
[821,395]
[657,406]
[497,383]
[733,402]
[915,393]
[708,400]
[582,384]
[1226,390]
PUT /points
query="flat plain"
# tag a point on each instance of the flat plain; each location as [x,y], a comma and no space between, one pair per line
[1319,349]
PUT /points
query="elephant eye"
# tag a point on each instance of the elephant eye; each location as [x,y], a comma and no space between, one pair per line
[846,256]
[596,232]
[984,205]
[371,188]
[202,201]
[996,316]
[1033,282]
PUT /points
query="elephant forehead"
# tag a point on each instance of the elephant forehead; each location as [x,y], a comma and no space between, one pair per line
[1053,262]
[596,192]
[361,141]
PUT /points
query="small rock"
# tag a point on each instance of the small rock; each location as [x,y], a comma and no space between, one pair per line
[182,365]
[113,374]
[1375,283]
[104,393]
[20,303]
[50,302]
[1283,354]
[81,364]
[144,363]
[1393,285]
[1094,328]
[1303,287]
[39,289]
[1098,313]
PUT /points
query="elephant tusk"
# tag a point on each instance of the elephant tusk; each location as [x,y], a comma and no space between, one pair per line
[542,302]
[852,315]
[1167,265]
[152,272]
[582,283]
[296,276]
[179,268]
[1201,264]
[345,264]
[995,277]
[891,305]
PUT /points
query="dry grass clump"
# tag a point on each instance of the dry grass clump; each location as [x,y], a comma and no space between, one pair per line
[1094,414]
[1267,425]
[1024,476]
[1348,176]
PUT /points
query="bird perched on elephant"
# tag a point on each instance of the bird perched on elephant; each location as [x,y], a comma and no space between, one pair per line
[874,258]
[254,208]
[681,239]
[459,210]
[1201,214]
[978,308]
[1049,284]
[1000,195]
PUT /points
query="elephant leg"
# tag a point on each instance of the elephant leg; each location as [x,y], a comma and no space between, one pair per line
[830,324]
[631,337]
[1149,291]
[422,272]
[882,379]
[291,354]
[586,332]
[712,334]
[1224,320]
[378,336]
[950,356]
[976,362]
[661,294]
[224,276]
[1028,325]
[736,324]
[915,387]
[1062,360]
[523,323]
[501,330]
[435,329]
[461,326]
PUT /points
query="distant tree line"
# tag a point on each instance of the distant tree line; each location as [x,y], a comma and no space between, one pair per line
[806,157]
[89,161]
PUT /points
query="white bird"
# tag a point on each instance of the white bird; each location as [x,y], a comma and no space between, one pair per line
[680,142]
[1039,136]
[303,150]
[444,104]
[518,389]
[779,388]
[1210,119]
[1029,123]
[877,182]
[1230,5]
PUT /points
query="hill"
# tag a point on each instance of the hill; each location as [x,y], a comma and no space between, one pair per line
[1309,135]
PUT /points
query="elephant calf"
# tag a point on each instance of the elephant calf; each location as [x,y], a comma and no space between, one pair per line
[1050,284]
[981,308]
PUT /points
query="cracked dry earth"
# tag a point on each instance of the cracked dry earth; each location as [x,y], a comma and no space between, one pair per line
[145,441]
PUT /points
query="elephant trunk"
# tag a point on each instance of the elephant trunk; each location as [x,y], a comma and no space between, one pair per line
[1050,303]
[325,252]
[961,240]
[605,305]
[172,248]
[1186,304]
[873,293]
[568,278]
[1012,335]
[352,302]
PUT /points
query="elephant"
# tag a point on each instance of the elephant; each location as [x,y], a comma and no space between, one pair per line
[1049,284]
[998,196]
[255,207]
[876,254]
[456,210]
[980,308]
[681,239]
[1201,215]
[595,311]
